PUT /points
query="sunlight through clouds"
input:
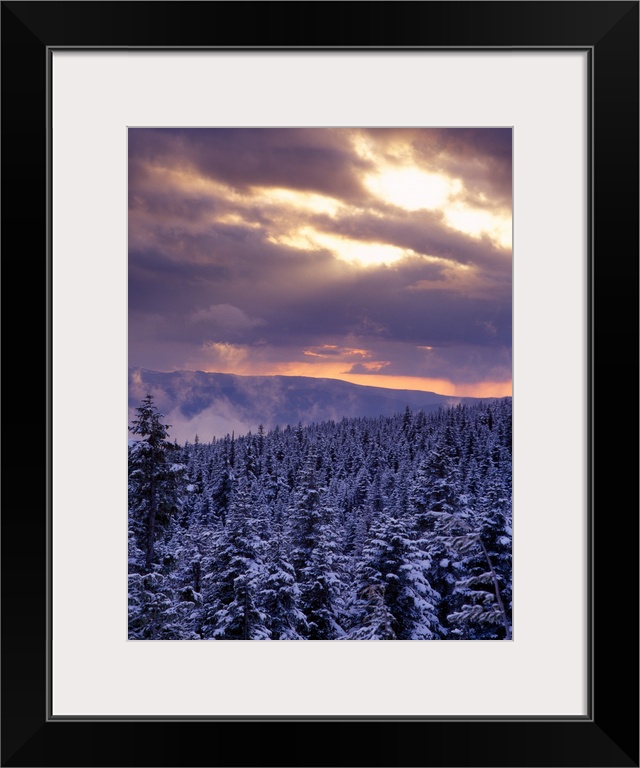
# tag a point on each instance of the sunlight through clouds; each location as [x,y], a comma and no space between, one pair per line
[364,254]
[476,222]
[377,253]
[304,201]
[411,188]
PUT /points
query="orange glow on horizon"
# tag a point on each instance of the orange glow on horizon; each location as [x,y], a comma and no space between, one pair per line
[335,370]
[440,386]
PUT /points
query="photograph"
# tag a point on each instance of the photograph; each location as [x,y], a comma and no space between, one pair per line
[297,263]
[319,351]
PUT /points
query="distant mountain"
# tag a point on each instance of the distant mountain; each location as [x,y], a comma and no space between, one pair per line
[215,404]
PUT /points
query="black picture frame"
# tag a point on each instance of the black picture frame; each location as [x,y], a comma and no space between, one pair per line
[608,736]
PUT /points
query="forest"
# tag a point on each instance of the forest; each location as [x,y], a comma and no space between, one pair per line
[390,528]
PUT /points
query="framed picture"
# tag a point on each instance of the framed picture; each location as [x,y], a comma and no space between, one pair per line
[564,79]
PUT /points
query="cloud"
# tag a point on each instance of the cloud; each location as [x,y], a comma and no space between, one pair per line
[374,366]
[311,159]
[254,249]
[224,316]
[221,353]
[336,351]
[481,158]
[218,420]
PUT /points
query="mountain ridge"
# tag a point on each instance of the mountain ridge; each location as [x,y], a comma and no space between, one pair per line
[200,401]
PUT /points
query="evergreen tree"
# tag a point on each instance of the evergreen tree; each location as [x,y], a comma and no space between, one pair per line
[369,528]
[323,586]
[280,597]
[436,490]
[481,536]
[394,599]
[186,614]
[235,576]
[153,479]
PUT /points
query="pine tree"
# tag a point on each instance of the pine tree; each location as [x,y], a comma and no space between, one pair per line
[280,597]
[436,490]
[481,537]
[235,576]
[149,602]
[153,479]
[186,615]
[322,586]
[393,596]
[391,528]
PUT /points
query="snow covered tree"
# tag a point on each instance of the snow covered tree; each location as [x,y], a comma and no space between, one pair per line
[483,604]
[373,619]
[185,617]
[436,489]
[393,597]
[149,601]
[478,531]
[304,514]
[235,576]
[280,597]
[397,527]
[322,586]
[153,479]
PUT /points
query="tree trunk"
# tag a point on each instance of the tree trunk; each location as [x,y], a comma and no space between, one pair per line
[151,524]
[246,614]
[496,586]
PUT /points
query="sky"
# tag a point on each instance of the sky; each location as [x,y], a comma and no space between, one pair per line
[378,256]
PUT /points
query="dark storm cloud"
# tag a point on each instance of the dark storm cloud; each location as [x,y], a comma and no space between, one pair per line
[183,210]
[307,295]
[301,293]
[436,317]
[298,158]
